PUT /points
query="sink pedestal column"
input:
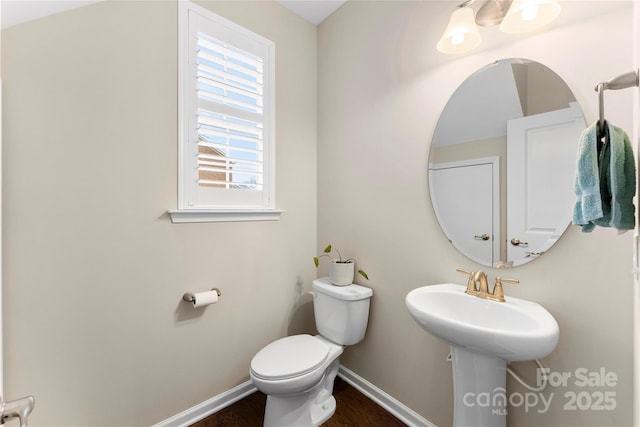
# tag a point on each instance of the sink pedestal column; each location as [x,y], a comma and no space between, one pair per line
[479,389]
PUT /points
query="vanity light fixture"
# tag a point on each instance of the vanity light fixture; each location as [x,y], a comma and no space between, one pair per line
[513,16]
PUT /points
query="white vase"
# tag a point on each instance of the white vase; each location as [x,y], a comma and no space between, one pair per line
[341,273]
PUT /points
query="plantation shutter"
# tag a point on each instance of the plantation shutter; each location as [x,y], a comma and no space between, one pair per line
[229,136]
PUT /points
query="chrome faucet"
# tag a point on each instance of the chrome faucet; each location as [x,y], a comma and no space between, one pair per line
[482,291]
[19,408]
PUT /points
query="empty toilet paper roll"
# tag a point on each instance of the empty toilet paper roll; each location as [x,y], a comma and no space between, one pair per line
[204,298]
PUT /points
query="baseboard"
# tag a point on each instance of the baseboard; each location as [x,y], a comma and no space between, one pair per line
[221,401]
[208,407]
[393,406]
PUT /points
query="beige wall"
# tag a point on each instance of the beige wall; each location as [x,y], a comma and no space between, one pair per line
[94,271]
[382,86]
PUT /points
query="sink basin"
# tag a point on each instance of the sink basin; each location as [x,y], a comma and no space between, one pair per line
[515,330]
[484,336]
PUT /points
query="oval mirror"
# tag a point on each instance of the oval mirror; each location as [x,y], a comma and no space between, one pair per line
[502,162]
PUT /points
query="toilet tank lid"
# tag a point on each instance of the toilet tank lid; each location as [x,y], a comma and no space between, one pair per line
[348,293]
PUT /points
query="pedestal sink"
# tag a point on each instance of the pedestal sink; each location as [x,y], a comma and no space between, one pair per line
[484,336]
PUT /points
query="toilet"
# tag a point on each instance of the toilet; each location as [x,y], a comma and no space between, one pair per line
[297,372]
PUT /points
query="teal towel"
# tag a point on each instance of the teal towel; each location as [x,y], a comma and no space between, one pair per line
[588,205]
[616,179]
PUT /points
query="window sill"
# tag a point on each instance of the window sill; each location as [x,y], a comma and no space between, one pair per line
[223,215]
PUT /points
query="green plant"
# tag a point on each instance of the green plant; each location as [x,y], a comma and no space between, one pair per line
[327,251]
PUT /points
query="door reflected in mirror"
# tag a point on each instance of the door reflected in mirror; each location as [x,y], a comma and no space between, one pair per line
[502,162]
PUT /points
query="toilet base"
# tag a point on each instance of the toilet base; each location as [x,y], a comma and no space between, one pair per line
[308,409]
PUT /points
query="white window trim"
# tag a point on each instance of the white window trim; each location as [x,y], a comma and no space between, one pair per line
[186,213]
[223,215]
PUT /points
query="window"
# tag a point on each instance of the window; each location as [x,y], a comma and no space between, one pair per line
[227,122]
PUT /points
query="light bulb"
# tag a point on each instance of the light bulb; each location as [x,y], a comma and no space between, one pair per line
[457,38]
[530,13]
[525,16]
[461,34]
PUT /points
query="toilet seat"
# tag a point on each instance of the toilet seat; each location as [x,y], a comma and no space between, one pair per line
[289,357]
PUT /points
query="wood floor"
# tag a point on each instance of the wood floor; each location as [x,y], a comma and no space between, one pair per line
[353,410]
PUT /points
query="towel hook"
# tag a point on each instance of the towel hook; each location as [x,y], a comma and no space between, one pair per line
[600,88]
[623,81]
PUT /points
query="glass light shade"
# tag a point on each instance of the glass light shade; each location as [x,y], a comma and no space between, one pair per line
[529,15]
[462,33]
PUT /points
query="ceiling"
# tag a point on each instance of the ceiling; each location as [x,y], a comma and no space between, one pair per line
[314,11]
[18,11]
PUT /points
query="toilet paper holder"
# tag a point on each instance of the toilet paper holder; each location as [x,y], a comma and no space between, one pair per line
[189,297]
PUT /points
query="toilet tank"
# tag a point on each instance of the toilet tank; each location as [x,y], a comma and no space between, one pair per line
[341,312]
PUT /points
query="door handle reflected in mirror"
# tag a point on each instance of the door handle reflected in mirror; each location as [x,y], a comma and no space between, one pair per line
[485,236]
[517,242]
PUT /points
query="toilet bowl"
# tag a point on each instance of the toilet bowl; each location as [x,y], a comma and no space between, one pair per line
[293,364]
[297,372]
